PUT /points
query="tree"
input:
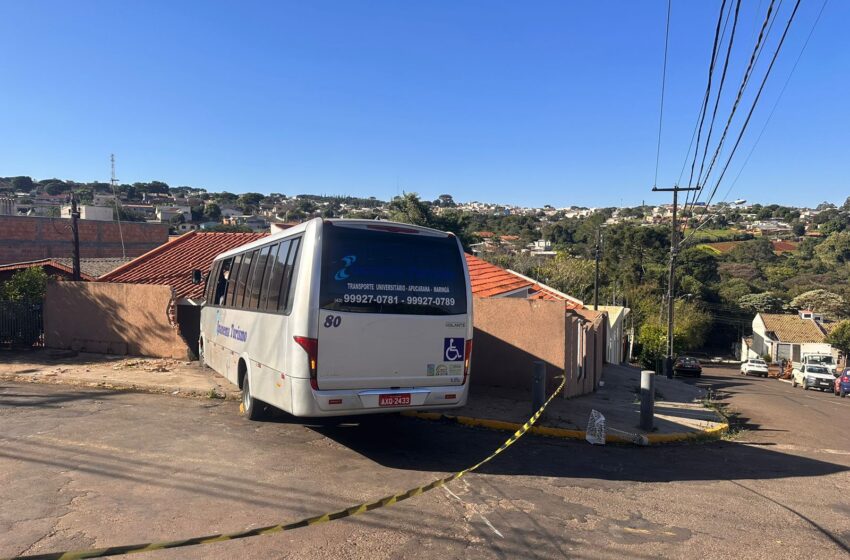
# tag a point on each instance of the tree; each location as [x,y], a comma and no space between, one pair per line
[230,229]
[410,210]
[27,285]
[158,187]
[55,188]
[212,212]
[764,302]
[250,200]
[652,340]
[571,275]
[835,250]
[22,184]
[753,251]
[821,301]
[840,337]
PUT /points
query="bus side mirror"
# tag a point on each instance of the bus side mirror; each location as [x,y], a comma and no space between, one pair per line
[197,276]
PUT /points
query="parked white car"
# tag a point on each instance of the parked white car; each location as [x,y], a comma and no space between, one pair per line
[754,367]
[811,376]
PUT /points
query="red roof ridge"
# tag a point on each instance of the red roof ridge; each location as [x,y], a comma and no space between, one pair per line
[146,256]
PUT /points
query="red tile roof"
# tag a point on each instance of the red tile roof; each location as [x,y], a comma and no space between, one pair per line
[43,263]
[489,280]
[172,263]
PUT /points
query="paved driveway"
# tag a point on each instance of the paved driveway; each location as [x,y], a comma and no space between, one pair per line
[82,468]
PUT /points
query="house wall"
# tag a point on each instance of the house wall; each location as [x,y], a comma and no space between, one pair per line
[585,354]
[511,334]
[24,238]
[101,317]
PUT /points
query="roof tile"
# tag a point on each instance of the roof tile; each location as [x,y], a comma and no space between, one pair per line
[172,263]
[792,328]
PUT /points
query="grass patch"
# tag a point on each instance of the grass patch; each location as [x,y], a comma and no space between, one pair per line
[731,417]
[213,394]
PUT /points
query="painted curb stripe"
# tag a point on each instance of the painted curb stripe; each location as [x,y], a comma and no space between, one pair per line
[563,433]
[521,430]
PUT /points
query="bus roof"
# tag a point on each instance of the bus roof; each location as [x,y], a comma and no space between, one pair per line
[380,225]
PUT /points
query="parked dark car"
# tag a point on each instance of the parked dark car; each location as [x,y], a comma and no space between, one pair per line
[842,383]
[687,365]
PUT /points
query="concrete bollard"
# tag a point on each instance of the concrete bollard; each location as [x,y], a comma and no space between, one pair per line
[538,386]
[647,399]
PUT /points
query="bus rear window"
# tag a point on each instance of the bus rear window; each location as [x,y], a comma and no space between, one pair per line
[384,272]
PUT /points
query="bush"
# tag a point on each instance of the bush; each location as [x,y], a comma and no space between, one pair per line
[25,286]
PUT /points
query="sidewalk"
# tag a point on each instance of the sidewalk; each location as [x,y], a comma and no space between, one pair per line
[679,411]
[153,375]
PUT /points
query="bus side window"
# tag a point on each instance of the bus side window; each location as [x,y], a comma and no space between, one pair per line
[267,276]
[218,281]
[277,276]
[286,289]
[232,278]
[242,280]
[255,285]
[209,290]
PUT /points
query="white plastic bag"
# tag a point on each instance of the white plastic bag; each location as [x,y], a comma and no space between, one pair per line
[595,434]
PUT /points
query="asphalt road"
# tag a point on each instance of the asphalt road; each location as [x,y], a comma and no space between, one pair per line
[82,468]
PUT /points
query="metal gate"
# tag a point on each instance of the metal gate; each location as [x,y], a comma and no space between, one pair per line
[21,324]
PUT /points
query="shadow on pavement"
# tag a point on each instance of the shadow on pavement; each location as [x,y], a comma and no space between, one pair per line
[409,443]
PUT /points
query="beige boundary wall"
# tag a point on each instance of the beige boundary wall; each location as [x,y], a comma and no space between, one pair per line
[512,333]
[111,318]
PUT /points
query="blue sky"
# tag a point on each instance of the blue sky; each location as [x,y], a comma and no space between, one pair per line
[514,102]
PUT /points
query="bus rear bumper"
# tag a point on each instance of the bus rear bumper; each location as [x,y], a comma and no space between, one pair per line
[368,401]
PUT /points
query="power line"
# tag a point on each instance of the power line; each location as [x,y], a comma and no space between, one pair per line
[778,99]
[663,84]
[702,111]
[719,93]
[743,85]
[755,101]
[757,50]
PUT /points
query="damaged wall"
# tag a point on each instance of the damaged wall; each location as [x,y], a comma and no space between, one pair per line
[136,319]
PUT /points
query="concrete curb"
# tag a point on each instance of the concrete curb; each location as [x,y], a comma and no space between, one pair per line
[715,432]
[227,394]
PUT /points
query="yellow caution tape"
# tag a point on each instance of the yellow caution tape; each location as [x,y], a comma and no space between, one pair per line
[306,522]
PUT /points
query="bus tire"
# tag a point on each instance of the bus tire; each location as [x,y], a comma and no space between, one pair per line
[250,407]
[201,361]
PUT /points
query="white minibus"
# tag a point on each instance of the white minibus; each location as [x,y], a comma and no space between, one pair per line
[338,317]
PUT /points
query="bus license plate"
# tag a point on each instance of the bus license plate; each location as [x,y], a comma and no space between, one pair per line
[402,399]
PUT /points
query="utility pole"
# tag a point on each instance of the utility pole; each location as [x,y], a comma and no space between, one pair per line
[75,232]
[596,279]
[671,277]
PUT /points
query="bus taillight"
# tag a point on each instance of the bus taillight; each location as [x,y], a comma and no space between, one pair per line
[311,346]
[467,354]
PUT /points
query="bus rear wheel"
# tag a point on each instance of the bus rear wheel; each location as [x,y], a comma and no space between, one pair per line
[250,407]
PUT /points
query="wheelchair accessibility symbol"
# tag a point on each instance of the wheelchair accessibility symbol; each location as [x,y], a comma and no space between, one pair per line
[453,349]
